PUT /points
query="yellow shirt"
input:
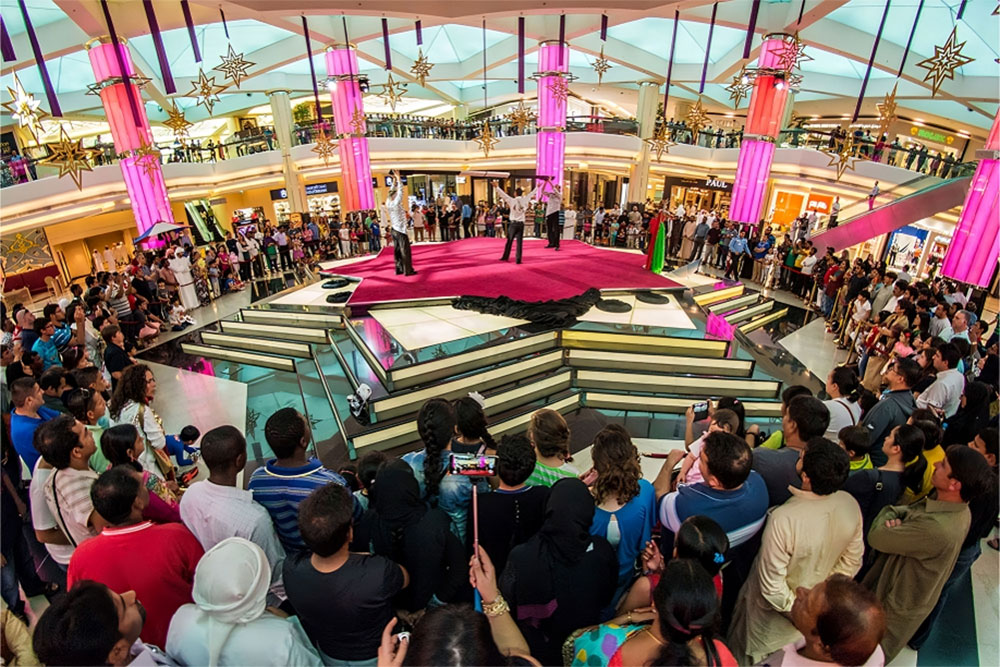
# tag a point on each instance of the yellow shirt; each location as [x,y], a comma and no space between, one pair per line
[932,456]
[861,464]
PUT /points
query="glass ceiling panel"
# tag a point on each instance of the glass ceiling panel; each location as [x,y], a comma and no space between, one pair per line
[69,73]
[653,35]
[41,12]
[449,43]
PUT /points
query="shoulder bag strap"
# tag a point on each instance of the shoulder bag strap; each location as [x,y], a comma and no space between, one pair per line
[62,521]
[854,422]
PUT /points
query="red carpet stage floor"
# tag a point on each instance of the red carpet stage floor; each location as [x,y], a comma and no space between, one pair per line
[472,267]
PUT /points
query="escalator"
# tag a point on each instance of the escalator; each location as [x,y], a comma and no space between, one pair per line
[203,222]
[928,196]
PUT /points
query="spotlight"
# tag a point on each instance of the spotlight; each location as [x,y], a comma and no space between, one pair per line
[745,80]
[780,84]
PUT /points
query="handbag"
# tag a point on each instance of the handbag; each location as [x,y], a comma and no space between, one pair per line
[159,455]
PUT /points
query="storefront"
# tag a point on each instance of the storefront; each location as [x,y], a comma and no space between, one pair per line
[702,193]
[322,200]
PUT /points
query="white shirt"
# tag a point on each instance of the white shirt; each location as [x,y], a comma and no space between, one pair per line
[862,311]
[808,263]
[397,214]
[281,238]
[945,393]
[835,207]
[553,201]
[843,413]
[517,205]
[42,518]
[214,513]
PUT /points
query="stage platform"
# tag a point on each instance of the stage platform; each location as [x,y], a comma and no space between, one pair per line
[472,267]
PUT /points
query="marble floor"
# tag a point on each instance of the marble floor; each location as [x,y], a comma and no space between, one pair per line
[418,327]
[815,348]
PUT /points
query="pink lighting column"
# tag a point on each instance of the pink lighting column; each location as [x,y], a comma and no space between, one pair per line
[975,246]
[345,93]
[551,139]
[767,107]
[144,182]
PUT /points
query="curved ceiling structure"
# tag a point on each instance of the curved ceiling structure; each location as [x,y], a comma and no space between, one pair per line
[839,35]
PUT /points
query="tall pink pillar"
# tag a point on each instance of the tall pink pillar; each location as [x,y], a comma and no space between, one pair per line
[144,182]
[553,67]
[345,93]
[767,108]
[975,246]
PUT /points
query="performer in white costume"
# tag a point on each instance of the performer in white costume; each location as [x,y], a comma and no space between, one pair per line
[181,266]
[397,220]
[98,262]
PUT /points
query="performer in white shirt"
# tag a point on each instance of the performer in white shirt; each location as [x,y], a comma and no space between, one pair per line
[553,205]
[515,229]
[98,262]
[397,221]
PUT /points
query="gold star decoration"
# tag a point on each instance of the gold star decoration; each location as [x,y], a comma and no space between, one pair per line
[392,91]
[147,156]
[325,148]
[660,142]
[486,140]
[521,116]
[696,119]
[559,88]
[206,90]
[601,65]
[944,62]
[25,109]
[421,67]
[843,156]
[176,122]
[886,112]
[792,53]
[71,157]
[740,87]
[358,123]
[234,67]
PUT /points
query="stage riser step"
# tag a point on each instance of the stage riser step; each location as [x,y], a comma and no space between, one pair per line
[734,304]
[248,343]
[749,313]
[660,363]
[410,402]
[616,342]
[715,296]
[664,405]
[275,331]
[301,319]
[250,358]
[753,325]
[683,385]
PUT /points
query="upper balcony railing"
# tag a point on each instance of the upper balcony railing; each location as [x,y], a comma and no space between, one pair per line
[20,169]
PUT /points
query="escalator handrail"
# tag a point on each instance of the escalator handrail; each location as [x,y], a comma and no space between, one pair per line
[863,201]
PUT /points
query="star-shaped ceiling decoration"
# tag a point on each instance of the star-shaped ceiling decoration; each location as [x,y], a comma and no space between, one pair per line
[559,89]
[696,119]
[134,79]
[206,90]
[843,156]
[521,116]
[660,142]
[234,67]
[147,156]
[325,148]
[601,65]
[70,157]
[176,122]
[792,53]
[25,109]
[421,67]
[358,123]
[886,112]
[740,87]
[486,140]
[392,91]
[944,62]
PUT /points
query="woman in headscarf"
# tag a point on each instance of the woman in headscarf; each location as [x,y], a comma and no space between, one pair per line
[399,526]
[561,578]
[229,623]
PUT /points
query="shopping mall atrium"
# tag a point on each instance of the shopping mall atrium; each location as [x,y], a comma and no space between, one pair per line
[281,245]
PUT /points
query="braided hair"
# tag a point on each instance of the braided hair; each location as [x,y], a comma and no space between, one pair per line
[435,425]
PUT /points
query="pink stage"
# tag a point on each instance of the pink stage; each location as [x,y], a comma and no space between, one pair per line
[472,267]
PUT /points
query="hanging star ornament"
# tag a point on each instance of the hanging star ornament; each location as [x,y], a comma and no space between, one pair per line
[206,90]
[177,123]
[421,67]
[25,109]
[357,123]
[660,142]
[944,62]
[696,119]
[792,53]
[521,117]
[843,156]
[148,157]
[559,89]
[234,67]
[740,87]
[392,91]
[70,157]
[486,140]
[601,65]
[886,112]
[325,148]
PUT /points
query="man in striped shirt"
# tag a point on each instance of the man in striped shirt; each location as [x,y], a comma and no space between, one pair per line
[285,481]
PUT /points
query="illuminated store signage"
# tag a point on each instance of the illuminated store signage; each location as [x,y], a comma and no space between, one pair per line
[312,189]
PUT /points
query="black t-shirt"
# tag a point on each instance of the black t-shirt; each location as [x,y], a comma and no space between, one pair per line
[344,611]
[115,360]
[506,519]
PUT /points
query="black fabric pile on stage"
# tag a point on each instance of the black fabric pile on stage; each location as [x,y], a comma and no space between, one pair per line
[652,297]
[613,306]
[553,314]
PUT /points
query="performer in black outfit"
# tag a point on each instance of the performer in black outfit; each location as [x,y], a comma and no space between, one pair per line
[553,210]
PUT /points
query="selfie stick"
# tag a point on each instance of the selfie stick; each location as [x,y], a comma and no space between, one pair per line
[477,599]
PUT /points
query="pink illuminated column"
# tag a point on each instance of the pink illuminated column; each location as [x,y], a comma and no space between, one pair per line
[553,87]
[345,93]
[975,247]
[143,180]
[767,108]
